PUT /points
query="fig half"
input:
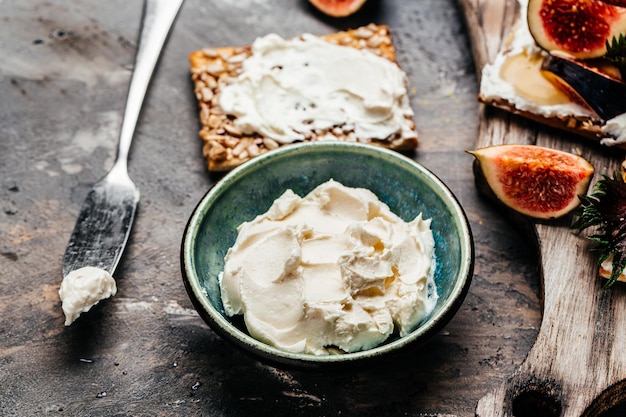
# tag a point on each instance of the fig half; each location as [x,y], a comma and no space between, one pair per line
[539,182]
[604,94]
[338,8]
[579,27]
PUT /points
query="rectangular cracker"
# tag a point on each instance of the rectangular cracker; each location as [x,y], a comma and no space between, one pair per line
[225,146]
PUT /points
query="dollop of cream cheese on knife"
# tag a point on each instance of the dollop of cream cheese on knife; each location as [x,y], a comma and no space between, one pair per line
[288,88]
[335,269]
[83,288]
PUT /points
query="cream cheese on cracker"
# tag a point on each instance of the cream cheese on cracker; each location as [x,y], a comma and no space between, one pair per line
[494,87]
[291,88]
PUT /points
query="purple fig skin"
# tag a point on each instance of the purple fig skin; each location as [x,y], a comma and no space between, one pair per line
[603,94]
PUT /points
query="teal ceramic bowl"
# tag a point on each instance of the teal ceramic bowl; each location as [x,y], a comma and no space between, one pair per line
[249,190]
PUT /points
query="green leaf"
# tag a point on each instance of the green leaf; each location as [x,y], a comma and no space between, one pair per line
[616,52]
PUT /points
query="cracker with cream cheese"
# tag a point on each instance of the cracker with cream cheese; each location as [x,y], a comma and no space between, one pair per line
[514,82]
[227,144]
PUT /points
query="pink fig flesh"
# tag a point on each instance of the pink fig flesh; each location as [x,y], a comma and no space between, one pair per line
[338,8]
[579,27]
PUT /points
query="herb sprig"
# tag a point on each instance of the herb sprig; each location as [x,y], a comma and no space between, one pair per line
[606,208]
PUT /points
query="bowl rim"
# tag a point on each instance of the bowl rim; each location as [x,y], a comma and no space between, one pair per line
[221,325]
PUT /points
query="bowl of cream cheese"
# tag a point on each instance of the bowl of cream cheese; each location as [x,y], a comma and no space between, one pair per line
[327,254]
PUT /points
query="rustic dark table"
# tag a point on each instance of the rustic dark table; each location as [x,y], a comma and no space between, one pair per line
[64,72]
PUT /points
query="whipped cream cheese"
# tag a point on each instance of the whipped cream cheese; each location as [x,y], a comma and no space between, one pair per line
[83,288]
[290,88]
[335,269]
[493,86]
[616,127]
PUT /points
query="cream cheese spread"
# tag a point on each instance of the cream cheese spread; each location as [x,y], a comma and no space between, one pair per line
[83,288]
[290,88]
[494,87]
[616,127]
[333,270]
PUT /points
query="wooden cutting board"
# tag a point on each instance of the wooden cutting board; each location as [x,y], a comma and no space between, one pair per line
[577,366]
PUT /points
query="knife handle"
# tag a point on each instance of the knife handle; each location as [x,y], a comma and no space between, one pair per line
[157,22]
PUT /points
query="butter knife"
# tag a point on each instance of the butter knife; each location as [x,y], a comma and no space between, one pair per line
[106,216]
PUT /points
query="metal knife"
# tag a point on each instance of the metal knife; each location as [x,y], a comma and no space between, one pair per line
[106,216]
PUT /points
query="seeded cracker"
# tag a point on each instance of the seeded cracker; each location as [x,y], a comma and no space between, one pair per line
[225,146]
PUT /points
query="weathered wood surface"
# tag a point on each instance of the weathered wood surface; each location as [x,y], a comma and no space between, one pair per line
[577,365]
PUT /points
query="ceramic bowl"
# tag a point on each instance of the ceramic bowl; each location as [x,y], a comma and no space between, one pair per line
[407,187]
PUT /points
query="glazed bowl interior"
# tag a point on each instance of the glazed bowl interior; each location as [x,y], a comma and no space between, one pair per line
[249,190]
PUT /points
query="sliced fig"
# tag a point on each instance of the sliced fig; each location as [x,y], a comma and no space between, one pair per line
[579,27]
[338,8]
[539,182]
[601,92]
